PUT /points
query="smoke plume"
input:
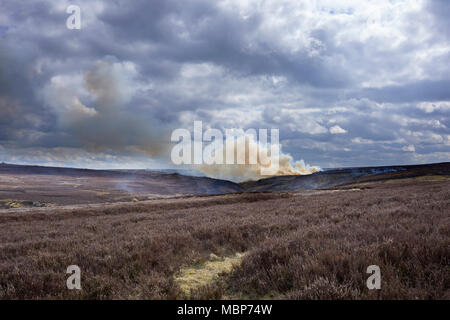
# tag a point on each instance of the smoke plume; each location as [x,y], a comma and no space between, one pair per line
[243,147]
[97,112]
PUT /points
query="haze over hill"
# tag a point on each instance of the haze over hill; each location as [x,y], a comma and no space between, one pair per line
[47,186]
[62,186]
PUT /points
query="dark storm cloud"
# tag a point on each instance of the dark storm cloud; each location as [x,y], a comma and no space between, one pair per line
[366,84]
[20,110]
[199,31]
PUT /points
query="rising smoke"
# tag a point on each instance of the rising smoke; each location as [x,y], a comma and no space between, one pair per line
[97,112]
[244,147]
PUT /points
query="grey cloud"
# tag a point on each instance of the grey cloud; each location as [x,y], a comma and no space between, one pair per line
[200,60]
[208,34]
[441,11]
[425,90]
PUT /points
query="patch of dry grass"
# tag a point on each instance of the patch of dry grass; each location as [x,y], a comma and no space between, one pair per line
[192,278]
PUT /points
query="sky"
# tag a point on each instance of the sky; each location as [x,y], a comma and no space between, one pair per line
[347,83]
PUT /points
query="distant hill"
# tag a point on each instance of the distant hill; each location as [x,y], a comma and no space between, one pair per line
[346,176]
[46,186]
[63,186]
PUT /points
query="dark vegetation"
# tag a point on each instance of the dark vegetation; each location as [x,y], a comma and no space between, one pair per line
[299,245]
[346,176]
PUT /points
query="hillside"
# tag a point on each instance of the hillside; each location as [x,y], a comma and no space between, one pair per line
[346,177]
[37,186]
[46,186]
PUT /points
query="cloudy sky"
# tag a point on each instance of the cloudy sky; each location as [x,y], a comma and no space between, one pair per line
[348,83]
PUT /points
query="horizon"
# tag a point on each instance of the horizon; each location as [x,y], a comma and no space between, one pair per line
[237,180]
[191,169]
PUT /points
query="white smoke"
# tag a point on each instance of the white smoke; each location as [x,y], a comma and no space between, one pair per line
[243,148]
[93,108]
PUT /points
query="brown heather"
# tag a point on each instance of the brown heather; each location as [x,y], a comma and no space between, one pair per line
[299,245]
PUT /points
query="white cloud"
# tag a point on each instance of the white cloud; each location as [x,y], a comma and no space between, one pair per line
[337,130]
[430,107]
[409,148]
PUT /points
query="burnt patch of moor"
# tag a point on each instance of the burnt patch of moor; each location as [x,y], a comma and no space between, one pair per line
[297,245]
